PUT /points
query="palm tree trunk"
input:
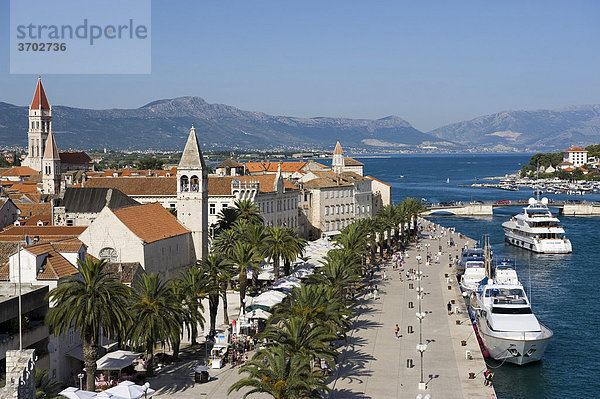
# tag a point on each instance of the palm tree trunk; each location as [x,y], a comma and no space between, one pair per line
[254,277]
[276,267]
[176,346]
[90,354]
[287,266]
[213,306]
[389,240]
[243,281]
[225,311]
[150,364]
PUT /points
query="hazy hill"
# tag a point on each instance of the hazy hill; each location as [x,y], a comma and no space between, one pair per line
[164,124]
[541,130]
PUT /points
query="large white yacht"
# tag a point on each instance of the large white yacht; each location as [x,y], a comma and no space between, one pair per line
[537,230]
[508,328]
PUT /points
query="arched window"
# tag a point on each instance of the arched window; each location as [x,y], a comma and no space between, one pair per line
[184,184]
[194,184]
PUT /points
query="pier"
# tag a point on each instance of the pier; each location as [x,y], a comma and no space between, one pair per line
[480,208]
[376,364]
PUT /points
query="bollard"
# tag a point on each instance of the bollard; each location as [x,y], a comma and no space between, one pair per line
[458,323]
[452,301]
[409,363]
[463,343]
[446,275]
[411,286]
[410,305]
[471,376]
[410,329]
[449,287]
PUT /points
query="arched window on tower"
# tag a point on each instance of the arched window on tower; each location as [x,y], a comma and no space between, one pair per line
[184,184]
[194,184]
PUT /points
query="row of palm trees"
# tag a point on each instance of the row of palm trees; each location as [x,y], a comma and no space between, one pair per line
[316,314]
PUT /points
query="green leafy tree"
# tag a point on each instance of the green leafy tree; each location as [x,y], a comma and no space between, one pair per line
[279,244]
[156,315]
[243,257]
[149,164]
[190,288]
[92,303]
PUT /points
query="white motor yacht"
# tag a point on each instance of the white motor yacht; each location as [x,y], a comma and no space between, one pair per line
[505,273]
[537,230]
[474,273]
[507,326]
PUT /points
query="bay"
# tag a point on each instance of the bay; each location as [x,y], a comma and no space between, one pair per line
[564,288]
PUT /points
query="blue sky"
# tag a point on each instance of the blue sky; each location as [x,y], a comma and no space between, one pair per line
[431,63]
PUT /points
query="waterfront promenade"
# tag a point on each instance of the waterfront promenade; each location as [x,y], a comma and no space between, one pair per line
[374,362]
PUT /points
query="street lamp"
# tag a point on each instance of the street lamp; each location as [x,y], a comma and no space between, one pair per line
[147,386]
[206,335]
[422,348]
[421,315]
[80,376]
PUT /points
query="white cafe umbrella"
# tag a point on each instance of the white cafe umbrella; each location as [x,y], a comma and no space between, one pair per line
[268,298]
[76,393]
[129,390]
[106,395]
[258,314]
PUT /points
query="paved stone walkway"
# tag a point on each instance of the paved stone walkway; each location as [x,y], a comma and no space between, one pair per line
[374,363]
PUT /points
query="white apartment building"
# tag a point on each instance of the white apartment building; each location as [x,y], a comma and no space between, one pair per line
[576,156]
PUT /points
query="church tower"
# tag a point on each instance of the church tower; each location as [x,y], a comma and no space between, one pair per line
[40,124]
[337,164]
[192,194]
[50,167]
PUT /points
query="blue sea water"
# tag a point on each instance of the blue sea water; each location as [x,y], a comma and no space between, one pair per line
[564,289]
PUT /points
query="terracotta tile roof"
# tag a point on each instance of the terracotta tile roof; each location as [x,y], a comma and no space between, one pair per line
[382,182]
[272,167]
[5,272]
[67,245]
[575,149]
[569,169]
[566,163]
[74,157]
[45,233]
[150,222]
[33,220]
[20,171]
[124,271]
[352,162]
[221,185]
[55,266]
[160,186]
[6,250]
[229,163]
[323,182]
[39,97]
[23,188]
[352,177]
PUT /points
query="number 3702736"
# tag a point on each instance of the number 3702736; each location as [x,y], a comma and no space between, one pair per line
[49,46]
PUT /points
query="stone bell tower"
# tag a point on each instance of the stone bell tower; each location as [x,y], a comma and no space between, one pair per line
[192,194]
[40,124]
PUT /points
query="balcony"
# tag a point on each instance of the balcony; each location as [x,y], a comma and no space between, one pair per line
[31,335]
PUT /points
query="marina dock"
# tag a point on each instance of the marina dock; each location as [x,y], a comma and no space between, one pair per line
[376,364]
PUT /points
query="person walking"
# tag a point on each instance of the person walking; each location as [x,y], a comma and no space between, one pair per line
[396,330]
[449,308]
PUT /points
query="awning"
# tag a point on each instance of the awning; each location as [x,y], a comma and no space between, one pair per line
[116,360]
[76,353]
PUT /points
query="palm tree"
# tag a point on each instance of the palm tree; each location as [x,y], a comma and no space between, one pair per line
[213,268]
[226,218]
[339,271]
[45,388]
[156,314]
[403,217]
[353,238]
[278,244]
[253,234]
[414,208]
[302,337]
[243,257]
[296,249]
[191,287]
[317,303]
[225,241]
[284,376]
[248,210]
[91,303]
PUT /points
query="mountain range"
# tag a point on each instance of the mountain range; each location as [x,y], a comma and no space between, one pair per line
[164,125]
